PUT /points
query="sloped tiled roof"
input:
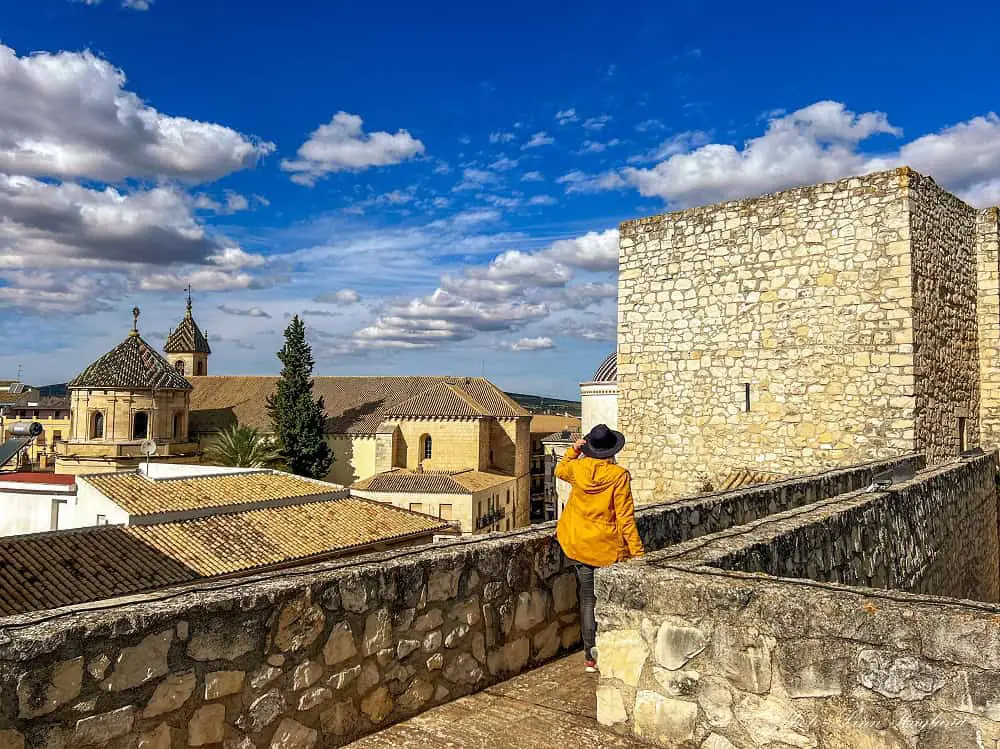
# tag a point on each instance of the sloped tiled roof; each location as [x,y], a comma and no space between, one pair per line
[138,495]
[442,399]
[558,437]
[547,424]
[222,544]
[354,405]
[49,570]
[432,482]
[187,338]
[131,365]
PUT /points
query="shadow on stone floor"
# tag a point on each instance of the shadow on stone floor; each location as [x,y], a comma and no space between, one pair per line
[552,706]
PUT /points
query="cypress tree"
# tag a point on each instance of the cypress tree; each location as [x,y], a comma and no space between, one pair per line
[298,420]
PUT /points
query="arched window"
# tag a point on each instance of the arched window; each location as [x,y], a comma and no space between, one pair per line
[178,424]
[200,369]
[140,425]
[427,449]
[179,366]
[96,425]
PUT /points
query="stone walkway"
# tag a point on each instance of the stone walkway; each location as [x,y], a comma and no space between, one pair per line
[552,706]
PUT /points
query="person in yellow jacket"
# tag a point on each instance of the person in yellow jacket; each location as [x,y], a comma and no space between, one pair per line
[597,527]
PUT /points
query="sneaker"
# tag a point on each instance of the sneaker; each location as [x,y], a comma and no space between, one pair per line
[590,666]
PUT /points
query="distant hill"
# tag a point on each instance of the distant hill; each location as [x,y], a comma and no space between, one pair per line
[538,404]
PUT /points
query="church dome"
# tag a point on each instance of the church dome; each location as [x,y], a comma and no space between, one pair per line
[608,371]
[131,365]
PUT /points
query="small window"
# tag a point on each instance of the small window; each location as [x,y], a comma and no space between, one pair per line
[97,426]
[963,434]
[102,519]
[178,424]
[200,369]
[416,506]
[179,366]
[508,496]
[444,512]
[140,425]
[746,397]
[428,449]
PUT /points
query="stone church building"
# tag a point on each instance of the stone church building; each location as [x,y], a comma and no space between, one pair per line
[816,327]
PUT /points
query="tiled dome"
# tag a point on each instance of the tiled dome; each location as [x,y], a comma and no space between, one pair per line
[608,371]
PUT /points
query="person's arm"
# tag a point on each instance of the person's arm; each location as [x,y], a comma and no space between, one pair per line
[625,516]
[564,468]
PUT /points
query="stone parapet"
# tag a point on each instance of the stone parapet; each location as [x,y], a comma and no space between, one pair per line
[699,646]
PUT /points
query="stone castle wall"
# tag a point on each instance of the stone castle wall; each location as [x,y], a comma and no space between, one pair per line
[988,314]
[804,306]
[320,655]
[694,655]
[945,338]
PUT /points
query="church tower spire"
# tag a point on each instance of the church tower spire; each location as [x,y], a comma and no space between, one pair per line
[187,347]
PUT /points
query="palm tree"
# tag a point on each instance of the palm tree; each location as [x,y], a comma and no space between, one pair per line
[243,447]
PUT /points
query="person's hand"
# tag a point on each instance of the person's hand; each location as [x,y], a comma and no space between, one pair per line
[578,445]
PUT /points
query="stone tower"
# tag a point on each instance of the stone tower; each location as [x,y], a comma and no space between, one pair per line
[186,346]
[129,395]
[812,328]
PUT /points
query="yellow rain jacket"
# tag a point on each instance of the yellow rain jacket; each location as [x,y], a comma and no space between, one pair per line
[598,525]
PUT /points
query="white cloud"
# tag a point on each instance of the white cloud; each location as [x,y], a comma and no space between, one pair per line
[500,137]
[579,182]
[649,125]
[566,116]
[234,203]
[675,144]
[532,177]
[597,123]
[538,139]
[251,312]
[542,200]
[67,115]
[814,144]
[131,4]
[343,296]
[593,251]
[503,164]
[590,146]
[475,179]
[341,145]
[541,343]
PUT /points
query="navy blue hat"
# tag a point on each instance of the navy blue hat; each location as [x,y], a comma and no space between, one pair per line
[603,442]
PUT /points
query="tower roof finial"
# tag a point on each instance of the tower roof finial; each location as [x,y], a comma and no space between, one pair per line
[189,301]
[135,321]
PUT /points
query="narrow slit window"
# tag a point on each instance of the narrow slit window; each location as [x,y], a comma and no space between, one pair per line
[963,435]
[746,397]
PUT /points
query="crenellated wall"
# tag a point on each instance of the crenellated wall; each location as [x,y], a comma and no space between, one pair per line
[323,654]
[699,646]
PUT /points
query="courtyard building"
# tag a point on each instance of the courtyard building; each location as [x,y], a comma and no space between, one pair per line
[20,404]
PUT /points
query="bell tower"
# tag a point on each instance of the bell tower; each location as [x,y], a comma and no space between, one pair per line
[187,347]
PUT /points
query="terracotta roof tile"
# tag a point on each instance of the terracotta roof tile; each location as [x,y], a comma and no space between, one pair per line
[442,399]
[432,482]
[354,405]
[547,424]
[138,495]
[49,570]
[187,338]
[131,365]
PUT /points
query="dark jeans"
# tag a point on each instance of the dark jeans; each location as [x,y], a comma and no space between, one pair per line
[588,622]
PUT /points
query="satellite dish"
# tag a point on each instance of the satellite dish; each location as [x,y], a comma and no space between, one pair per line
[148,447]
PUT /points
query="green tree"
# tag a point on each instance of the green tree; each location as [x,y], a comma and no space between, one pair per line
[242,446]
[299,421]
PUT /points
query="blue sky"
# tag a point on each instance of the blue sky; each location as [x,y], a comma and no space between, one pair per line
[436,187]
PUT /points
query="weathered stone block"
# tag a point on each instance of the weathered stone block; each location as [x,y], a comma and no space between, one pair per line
[339,719]
[610,706]
[369,677]
[144,662]
[378,632]
[313,697]
[511,658]
[623,654]
[291,734]
[207,725]
[377,705]
[677,683]
[662,720]
[416,695]
[405,647]
[676,644]
[159,738]
[901,677]
[564,592]
[262,712]
[306,674]
[435,662]
[223,683]
[100,729]
[443,584]
[546,642]
[453,637]
[300,623]
[469,611]
[44,690]
[808,669]
[171,694]
[11,740]
[340,645]
[264,676]
[463,669]
[431,620]
[343,678]
[532,609]
[224,640]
